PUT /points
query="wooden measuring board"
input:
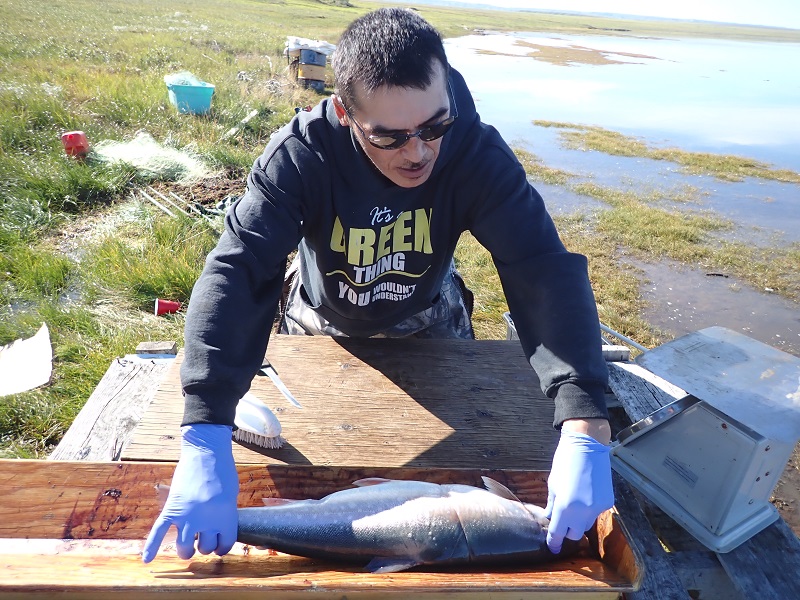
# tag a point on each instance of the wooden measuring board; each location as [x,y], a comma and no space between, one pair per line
[86,522]
[386,403]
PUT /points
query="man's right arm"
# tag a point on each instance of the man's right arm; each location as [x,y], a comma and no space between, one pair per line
[234,302]
[228,323]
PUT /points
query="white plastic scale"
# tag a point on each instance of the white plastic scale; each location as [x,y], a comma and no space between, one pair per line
[711,460]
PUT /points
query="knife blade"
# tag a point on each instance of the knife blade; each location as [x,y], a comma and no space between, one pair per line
[268,370]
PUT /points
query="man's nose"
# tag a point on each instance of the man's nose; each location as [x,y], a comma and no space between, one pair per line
[415,149]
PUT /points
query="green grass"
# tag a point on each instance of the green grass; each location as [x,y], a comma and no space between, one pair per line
[722,166]
[654,233]
[142,256]
[541,172]
[658,232]
[480,275]
[158,259]
[30,273]
[616,285]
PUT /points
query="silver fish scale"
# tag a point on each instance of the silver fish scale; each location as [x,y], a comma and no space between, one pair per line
[400,522]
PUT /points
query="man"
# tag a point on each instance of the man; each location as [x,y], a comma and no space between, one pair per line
[376,184]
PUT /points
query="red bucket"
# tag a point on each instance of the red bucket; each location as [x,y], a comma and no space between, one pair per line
[75,143]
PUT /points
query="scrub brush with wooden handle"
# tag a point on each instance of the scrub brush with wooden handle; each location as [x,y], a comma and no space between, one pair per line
[256,424]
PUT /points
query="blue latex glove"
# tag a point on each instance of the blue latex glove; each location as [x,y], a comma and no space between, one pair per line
[202,497]
[579,487]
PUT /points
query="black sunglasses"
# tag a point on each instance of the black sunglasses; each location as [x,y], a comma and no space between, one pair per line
[393,141]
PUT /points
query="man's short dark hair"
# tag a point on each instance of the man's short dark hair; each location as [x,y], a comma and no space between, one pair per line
[388,46]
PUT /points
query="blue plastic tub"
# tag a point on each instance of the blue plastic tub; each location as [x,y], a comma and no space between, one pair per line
[192,99]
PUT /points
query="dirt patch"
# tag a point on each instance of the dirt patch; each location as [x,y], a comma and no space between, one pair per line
[210,191]
[787,493]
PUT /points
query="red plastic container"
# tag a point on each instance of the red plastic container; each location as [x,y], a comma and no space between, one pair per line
[164,307]
[75,143]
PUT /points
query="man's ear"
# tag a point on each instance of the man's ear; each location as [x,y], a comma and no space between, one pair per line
[341,113]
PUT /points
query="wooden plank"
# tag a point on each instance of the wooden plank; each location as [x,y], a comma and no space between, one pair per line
[41,499]
[384,402]
[767,566]
[167,348]
[106,421]
[701,573]
[639,391]
[697,567]
[614,353]
[659,581]
[278,577]
[96,501]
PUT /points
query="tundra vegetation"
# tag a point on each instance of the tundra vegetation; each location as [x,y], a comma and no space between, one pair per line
[81,251]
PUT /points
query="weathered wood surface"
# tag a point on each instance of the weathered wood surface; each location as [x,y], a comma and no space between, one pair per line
[613,353]
[766,566]
[41,499]
[692,567]
[697,568]
[259,575]
[381,402]
[157,348]
[639,391]
[97,501]
[660,581]
[702,575]
[106,421]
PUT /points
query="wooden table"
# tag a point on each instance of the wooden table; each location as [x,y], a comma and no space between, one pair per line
[435,410]
[384,403]
[340,389]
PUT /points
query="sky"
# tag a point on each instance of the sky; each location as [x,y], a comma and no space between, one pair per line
[776,13]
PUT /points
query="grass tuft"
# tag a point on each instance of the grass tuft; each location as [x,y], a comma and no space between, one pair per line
[654,233]
[164,263]
[538,171]
[480,275]
[724,167]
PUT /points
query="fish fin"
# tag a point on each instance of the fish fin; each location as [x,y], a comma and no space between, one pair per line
[277,501]
[370,481]
[498,489]
[381,564]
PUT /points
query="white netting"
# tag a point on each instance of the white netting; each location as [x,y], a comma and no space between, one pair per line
[152,159]
[183,78]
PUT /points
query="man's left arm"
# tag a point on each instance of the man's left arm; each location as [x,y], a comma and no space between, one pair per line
[554,310]
[555,314]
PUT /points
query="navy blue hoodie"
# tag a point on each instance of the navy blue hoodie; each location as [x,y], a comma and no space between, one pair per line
[374,253]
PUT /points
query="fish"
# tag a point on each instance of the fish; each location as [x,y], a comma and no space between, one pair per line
[394,525]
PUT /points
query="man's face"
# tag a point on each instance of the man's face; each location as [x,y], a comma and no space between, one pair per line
[400,110]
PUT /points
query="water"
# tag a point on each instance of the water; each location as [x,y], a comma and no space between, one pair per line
[699,94]
[720,96]
[682,300]
[703,95]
